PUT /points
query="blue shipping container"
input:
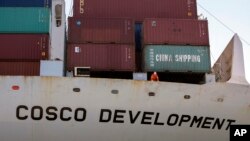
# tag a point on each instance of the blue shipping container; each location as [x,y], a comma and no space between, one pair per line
[25,3]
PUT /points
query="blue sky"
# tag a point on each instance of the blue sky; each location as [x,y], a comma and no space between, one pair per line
[233,13]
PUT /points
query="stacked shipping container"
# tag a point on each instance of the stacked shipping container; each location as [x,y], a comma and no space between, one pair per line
[24,47]
[175,31]
[24,20]
[103,44]
[20,68]
[136,9]
[96,23]
[106,35]
[101,30]
[176,45]
[176,58]
[102,57]
[24,36]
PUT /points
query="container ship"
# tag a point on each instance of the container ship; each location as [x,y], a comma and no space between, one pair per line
[90,80]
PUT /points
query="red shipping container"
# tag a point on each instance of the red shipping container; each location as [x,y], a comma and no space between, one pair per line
[136,9]
[101,57]
[101,30]
[175,31]
[20,68]
[24,47]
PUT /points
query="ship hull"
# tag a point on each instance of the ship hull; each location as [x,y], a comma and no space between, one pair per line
[63,109]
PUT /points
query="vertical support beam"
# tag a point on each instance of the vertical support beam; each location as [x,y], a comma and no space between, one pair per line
[58,27]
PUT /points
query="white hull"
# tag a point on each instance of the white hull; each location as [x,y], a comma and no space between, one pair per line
[177,112]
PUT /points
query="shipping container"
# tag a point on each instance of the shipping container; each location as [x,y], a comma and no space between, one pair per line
[24,47]
[136,9]
[25,3]
[176,58]
[175,31]
[24,20]
[101,30]
[20,68]
[101,57]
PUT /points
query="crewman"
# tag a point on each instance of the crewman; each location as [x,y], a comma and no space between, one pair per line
[154,77]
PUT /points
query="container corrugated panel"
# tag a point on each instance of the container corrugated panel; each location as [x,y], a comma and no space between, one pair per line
[24,46]
[174,58]
[101,30]
[20,68]
[101,57]
[24,20]
[25,3]
[136,9]
[175,31]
